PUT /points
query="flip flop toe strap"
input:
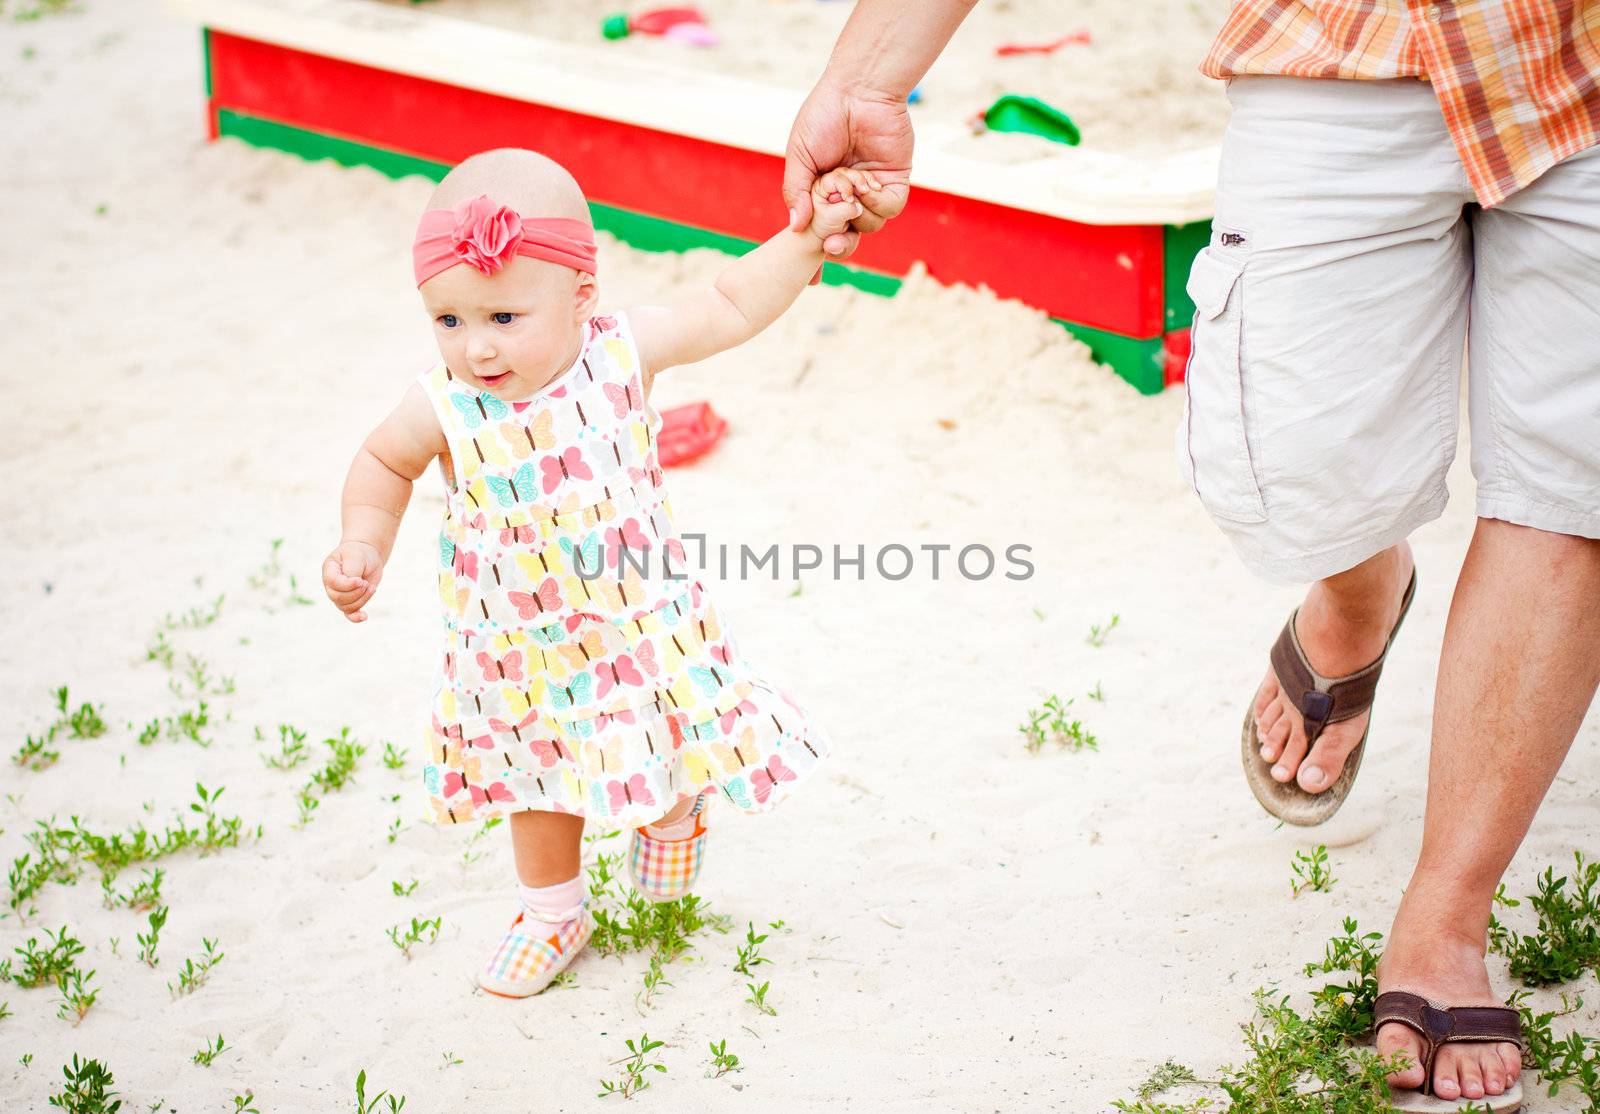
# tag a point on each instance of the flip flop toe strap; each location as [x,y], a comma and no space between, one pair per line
[1324,700]
[1449,1025]
[1321,700]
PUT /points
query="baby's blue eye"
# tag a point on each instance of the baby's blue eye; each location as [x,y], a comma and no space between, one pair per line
[504,318]
[448,320]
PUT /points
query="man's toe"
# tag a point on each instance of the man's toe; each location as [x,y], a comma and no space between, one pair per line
[1470,1073]
[1511,1061]
[1395,1041]
[1265,695]
[1327,758]
[1447,1073]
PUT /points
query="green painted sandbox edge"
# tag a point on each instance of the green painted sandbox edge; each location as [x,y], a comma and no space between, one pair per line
[1135,360]
[205,58]
[1180,243]
[1141,362]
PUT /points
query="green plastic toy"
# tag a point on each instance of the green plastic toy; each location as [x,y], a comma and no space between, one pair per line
[1012,113]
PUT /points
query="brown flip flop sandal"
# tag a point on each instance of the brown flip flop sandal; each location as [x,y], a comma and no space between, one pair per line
[1321,700]
[1442,1025]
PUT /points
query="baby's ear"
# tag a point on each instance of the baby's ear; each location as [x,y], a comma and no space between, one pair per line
[587,297]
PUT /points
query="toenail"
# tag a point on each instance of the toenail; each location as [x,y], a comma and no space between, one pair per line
[1312,775]
[1266,752]
[1280,773]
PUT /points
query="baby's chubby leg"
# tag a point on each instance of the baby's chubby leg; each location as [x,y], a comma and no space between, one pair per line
[547,846]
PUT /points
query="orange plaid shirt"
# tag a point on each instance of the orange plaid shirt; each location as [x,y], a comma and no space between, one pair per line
[1518,80]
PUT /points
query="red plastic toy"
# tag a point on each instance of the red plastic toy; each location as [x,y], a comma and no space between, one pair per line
[1079,37]
[687,432]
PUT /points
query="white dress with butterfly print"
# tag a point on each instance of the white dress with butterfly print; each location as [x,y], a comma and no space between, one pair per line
[582,673]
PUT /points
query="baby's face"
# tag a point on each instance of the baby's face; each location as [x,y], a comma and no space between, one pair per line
[512,332]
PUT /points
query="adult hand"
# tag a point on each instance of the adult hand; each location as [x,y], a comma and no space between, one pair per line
[838,126]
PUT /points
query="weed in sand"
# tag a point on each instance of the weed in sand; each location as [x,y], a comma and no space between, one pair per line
[1566,942]
[196,969]
[87,1090]
[758,998]
[341,764]
[1311,871]
[35,754]
[77,996]
[749,953]
[209,1053]
[41,965]
[148,940]
[393,1104]
[159,651]
[58,852]
[200,680]
[1098,634]
[419,931]
[196,617]
[292,750]
[470,855]
[1052,723]
[145,894]
[634,1066]
[722,1061]
[1298,1063]
[654,979]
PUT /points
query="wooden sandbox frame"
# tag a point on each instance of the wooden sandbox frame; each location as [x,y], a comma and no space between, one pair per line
[1099,242]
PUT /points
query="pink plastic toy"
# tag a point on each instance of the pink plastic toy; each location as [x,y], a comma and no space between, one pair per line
[1080,37]
[684,25]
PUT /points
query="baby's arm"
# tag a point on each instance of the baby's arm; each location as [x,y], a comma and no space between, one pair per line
[755,289]
[376,492]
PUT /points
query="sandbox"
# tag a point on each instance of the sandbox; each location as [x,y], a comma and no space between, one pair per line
[673,157]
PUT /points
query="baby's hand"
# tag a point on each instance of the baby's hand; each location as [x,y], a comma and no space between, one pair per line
[836,200]
[350,576]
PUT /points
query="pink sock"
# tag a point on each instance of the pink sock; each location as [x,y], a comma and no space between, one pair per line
[553,904]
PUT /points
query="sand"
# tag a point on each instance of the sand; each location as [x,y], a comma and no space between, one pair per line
[1135,88]
[198,336]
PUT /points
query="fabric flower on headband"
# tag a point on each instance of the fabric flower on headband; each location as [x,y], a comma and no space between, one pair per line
[486,235]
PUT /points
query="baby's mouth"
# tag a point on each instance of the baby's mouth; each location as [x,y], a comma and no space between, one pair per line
[494,380]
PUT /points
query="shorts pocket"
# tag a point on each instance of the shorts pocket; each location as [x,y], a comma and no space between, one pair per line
[1213,440]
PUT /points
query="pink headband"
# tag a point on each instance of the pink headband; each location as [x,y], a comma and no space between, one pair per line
[488,235]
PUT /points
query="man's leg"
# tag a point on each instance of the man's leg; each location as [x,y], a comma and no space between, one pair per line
[1325,377]
[1520,665]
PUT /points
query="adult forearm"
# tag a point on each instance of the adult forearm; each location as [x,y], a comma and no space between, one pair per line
[887,45]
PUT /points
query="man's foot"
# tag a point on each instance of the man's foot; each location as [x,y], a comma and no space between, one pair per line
[1343,626]
[1448,972]
[533,952]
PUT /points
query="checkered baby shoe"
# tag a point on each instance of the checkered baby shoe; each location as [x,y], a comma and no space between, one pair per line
[532,953]
[666,869]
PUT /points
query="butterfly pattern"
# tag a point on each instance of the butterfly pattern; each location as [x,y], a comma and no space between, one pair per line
[580,673]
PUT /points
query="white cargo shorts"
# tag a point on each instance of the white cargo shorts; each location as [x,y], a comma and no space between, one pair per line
[1349,271]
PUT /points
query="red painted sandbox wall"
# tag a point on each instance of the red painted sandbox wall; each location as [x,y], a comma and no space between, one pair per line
[1103,276]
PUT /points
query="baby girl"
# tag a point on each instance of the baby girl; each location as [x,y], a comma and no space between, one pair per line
[584,676]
